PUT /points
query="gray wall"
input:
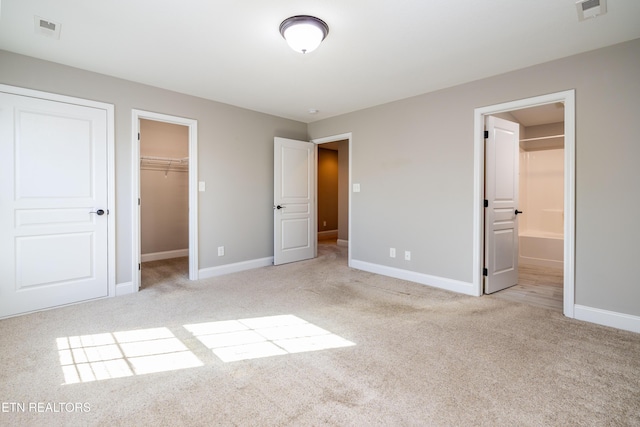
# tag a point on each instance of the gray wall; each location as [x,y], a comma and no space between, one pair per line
[414,161]
[235,149]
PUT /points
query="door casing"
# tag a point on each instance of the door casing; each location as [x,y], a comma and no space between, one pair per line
[135,191]
[324,140]
[568,98]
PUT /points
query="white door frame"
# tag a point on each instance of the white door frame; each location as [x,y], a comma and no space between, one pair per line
[568,98]
[192,124]
[111,171]
[335,138]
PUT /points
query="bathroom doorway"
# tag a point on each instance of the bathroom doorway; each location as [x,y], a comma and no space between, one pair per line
[540,227]
[567,98]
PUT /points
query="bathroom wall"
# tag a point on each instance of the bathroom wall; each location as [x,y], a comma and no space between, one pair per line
[541,227]
[542,180]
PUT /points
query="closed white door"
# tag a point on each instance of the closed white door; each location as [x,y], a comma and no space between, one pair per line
[53,204]
[501,194]
[294,200]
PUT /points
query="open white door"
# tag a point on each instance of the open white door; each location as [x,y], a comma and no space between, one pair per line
[294,200]
[501,195]
[53,204]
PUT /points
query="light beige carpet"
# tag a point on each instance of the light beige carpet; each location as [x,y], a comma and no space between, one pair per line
[421,357]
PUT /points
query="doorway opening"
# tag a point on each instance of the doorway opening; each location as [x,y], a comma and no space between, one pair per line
[164,207]
[165,191]
[539,236]
[333,195]
[553,215]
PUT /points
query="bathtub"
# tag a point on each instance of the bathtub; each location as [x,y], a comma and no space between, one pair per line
[540,248]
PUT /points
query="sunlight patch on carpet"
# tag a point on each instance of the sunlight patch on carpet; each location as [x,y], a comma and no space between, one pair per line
[242,339]
[110,355]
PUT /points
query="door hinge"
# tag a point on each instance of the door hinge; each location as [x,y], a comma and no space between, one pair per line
[486,134]
[139,136]
[139,267]
[486,203]
[138,201]
[485,272]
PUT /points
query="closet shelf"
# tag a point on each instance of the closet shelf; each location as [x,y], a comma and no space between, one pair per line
[166,164]
[542,138]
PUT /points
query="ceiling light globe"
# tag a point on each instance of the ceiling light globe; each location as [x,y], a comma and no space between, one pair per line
[304,33]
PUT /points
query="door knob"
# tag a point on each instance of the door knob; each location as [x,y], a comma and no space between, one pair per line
[99,212]
[280,207]
[518,212]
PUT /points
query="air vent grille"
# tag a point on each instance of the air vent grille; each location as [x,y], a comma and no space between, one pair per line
[589,4]
[590,8]
[46,27]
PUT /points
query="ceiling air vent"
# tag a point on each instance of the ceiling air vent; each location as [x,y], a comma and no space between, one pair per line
[590,8]
[47,28]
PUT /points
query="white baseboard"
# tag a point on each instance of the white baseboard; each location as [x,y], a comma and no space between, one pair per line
[412,276]
[613,319]
[156,256]
[205,273]
[124,288]
[541,262]
[327,234]
[343,242]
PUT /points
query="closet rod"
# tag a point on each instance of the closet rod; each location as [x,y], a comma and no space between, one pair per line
[165,159]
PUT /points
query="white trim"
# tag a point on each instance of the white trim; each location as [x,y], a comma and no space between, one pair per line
[327,234]
[613,319]
[125,288]
[412,276]
[568,98]
[221,270]
[348,136]
[111,168]
[541,262]
[157,256]
[192,124]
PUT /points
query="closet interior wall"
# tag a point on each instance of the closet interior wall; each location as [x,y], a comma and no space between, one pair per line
[164,190]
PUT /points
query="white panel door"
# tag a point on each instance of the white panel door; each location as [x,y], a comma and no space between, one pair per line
[501,214]
[53,204]
[294,200]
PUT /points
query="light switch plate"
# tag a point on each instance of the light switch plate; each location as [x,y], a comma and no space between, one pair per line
[201,186]
[356,188]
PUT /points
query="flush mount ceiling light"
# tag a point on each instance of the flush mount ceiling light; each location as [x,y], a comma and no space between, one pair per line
[304,33]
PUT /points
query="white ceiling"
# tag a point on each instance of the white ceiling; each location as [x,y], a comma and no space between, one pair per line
[377,51]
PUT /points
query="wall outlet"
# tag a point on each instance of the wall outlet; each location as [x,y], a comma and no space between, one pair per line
[392,252]
[324,223]
[407,255]
[220,250]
